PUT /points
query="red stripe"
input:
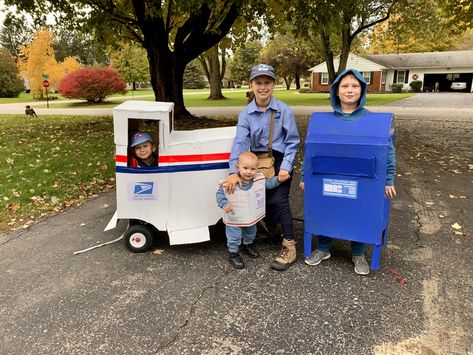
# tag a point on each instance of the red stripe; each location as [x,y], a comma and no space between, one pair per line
[121,158]
[195,157]
[182,158]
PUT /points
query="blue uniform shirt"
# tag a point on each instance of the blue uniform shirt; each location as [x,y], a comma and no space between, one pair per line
[253,133]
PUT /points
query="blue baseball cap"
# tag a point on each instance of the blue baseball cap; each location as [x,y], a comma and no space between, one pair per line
[262,69]
[140,137]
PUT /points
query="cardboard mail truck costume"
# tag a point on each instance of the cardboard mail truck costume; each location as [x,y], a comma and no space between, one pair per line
[177,196]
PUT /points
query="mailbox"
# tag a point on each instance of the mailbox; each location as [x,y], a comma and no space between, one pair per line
[345,177]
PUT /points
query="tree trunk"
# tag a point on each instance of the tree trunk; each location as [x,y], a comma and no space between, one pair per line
[297,79]
[345,50]
[215,77]
[288,83]
[167,75]
[328,55]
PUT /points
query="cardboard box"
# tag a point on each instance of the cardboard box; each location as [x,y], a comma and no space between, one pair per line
[249,206]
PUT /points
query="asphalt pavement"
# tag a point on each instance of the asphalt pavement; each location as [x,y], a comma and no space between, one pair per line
[189,300]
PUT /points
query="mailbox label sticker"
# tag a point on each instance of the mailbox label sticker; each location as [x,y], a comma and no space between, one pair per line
[140,191]
[340,188]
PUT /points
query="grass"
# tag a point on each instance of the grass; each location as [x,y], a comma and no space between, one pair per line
[24,97]
[51,163]
[198,98]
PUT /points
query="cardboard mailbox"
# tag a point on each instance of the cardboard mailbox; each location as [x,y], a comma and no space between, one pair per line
[345,178]
[177,196]
[249,207]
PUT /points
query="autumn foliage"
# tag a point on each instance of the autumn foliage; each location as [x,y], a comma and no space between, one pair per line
[93,84]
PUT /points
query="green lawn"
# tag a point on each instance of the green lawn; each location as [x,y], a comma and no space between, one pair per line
[52,162]
[24,97]
[198,98]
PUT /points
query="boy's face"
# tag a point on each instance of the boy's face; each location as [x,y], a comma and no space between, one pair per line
[247,168]
[262,86]
[349,90]
[144,150]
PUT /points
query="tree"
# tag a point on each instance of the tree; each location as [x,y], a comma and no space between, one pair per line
[214,64]
[290,56]
[58,72]
[131,63]
[93,84]
[173,32]
[194,76]
[37,59]
[244,58]
[461,13]
[15,32]
[332,26]
[415,26]
[11,83]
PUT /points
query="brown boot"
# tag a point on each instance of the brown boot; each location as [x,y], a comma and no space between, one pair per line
[286,256]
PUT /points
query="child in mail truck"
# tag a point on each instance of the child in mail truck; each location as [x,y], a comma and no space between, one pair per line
[347,97]
[144,150]
[246,166]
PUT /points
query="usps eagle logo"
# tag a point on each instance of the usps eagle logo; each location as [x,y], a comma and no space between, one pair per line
[143,188]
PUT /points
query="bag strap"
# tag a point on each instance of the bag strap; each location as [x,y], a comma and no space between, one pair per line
[271,129]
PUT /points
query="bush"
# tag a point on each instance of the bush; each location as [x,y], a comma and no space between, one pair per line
[11,84]
[306,91]
[416,85]
[397,88]
[194,76]
[93,84]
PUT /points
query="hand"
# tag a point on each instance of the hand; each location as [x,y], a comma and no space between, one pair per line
[301,185]
[231,182]
[389,192]
[283,175]
[228,208]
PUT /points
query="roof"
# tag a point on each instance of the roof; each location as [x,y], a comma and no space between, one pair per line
[354,61]
[452,59]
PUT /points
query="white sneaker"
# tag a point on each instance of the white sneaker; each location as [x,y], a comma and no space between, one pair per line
[317,257]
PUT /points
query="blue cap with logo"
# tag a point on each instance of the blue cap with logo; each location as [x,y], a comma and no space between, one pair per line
[139,138]
[262,69]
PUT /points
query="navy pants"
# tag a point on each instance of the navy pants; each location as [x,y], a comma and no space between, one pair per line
[278,209]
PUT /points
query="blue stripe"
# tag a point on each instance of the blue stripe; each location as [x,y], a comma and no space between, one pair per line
[172,168]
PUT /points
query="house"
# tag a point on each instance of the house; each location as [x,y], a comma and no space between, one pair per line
[436,70]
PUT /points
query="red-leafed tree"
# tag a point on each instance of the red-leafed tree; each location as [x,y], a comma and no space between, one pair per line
[93,84]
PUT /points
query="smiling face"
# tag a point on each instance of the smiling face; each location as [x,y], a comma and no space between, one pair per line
[349,93]
[262,86]
[144,151]
[247,165]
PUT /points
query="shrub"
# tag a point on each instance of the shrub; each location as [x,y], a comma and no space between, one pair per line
[93,84]
[306,91]
[11,84]
[416,85]
[194,76]
[397,88]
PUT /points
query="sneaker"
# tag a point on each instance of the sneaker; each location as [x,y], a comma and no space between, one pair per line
[250,250]
[361,265]
[316,257]
[236,260]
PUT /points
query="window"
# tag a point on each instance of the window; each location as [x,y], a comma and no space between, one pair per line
[324,78]
[402,76]
[367,76]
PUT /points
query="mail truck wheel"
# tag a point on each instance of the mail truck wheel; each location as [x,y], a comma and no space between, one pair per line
[138,238]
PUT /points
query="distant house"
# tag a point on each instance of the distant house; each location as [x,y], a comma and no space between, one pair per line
[436,70]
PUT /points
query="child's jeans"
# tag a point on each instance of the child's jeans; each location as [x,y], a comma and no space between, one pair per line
[236,234]
[324,243]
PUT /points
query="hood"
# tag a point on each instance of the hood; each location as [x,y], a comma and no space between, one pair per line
[335,101]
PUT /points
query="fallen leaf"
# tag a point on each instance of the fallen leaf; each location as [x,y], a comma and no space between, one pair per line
[456,226]
[158,251]
[401,281]
[394,272]
[13,207]
[458,233]
[428,203]
[452,196]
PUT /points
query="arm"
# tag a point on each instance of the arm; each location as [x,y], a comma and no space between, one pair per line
[241,142]
[271,183]
[222,200]
[390,191]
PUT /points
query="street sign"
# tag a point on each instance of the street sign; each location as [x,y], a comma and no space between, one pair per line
[45,83]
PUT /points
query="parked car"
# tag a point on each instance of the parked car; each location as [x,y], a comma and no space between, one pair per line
[457,86]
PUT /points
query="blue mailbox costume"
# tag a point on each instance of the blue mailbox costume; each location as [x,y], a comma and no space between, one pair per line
[345,174]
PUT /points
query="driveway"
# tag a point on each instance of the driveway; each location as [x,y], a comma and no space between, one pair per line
[188,300]
[437,99]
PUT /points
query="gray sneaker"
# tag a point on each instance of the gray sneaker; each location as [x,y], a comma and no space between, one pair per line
[361,265]
[317,257]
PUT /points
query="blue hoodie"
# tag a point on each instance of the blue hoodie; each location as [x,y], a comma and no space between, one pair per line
[360,111]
